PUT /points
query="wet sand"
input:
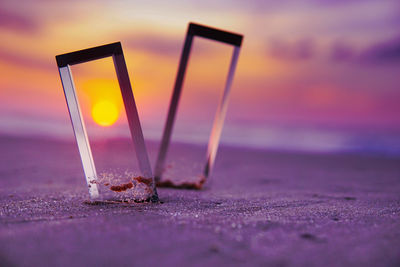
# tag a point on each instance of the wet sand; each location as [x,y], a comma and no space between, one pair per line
[260,208]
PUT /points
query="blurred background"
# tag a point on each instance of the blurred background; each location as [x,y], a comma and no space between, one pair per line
[319,76]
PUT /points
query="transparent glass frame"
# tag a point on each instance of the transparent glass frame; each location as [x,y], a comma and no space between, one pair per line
[216,35]
[113,50]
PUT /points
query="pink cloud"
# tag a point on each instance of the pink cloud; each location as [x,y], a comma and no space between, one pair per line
[17,22]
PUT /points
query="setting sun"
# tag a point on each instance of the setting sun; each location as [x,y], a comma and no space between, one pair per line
[105,113]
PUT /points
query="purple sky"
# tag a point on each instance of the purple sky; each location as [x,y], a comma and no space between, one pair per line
[304,64]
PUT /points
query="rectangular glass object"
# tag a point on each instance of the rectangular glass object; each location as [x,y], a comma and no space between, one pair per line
[117,184]
[186,168]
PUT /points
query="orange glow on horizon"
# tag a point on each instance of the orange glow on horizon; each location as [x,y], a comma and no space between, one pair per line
[105,113]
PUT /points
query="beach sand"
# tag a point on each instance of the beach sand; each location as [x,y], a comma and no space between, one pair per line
[260,208]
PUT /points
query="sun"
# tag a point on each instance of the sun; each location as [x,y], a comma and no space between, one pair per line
[105,113]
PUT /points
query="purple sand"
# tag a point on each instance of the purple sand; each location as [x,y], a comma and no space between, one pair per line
[261,208]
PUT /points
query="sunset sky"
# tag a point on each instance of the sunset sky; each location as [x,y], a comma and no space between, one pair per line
[314,68]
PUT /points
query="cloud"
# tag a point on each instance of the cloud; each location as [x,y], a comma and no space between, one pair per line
[342,52]
[15,21]
[330,3]
[160,45]
[383,52]
[28,61]
[299,50]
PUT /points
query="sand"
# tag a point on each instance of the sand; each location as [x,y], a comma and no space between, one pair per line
[260,208]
